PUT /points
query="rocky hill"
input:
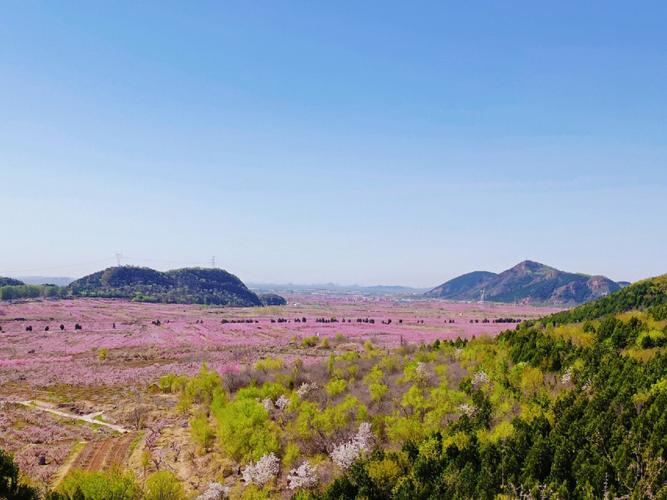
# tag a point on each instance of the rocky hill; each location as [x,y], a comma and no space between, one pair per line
[527,282]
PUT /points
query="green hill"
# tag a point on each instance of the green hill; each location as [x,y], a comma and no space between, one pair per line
[187,285]
[570,406]
[10,282]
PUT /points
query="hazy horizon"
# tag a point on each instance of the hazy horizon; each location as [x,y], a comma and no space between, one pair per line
[384,143]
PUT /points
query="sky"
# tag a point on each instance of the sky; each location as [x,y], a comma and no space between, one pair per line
[348,142]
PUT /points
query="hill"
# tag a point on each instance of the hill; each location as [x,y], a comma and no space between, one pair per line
[187,285]
[527,282]
[272,299]
[461,285]
[573,405]
[10,282]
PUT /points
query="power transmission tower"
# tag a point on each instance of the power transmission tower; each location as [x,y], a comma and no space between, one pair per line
[118,257]
[481,298]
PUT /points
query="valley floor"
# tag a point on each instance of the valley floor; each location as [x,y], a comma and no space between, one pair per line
[68,393]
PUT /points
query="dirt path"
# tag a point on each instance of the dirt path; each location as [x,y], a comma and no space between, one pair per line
[104,454]
[90,418]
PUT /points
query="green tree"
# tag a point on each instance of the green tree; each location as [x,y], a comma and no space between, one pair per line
[111,485]
[245,431]
[10,484]
[163,485]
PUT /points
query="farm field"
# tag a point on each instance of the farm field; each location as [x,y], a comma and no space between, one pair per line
[108,366]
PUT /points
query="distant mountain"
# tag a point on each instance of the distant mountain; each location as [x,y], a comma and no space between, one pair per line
[462,284]
[332,288]
[46,280]
[10,282]
[527,282]
[187,285]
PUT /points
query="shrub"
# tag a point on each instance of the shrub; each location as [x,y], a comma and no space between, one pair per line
[310,341]
[269,364]
[378,391]
[245,431]
[202,388]
[335,387]
[292,453]
[99,486]
[202,432]
[163,485]
[172,383]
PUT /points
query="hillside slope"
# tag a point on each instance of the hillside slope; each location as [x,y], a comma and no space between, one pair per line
[187,285]
[573,405]
[462,285]
[527,282]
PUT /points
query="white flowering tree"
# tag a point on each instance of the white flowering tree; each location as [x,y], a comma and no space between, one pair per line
[214,491]
[267,404]
[304,476]
[282,402]
[262,472]
[467,409]
[479,378]
[345,454]
[304,389]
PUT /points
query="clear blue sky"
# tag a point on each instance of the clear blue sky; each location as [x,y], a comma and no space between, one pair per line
[355,142]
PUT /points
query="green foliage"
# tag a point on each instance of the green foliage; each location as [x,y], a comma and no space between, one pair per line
[112,485]
[163,485]
[245,431]
[291,455]
[271,390]
[378,391]
[311,421]
[172,383]
[335,387]
[605,436]
[202,432]
[269,364]
[16,292]
[10,484]
[200,389]
[650,293]
[188,285]
[310,341]
[565,407]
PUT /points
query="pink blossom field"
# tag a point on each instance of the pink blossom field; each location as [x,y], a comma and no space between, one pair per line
[106,366]
[153,339]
